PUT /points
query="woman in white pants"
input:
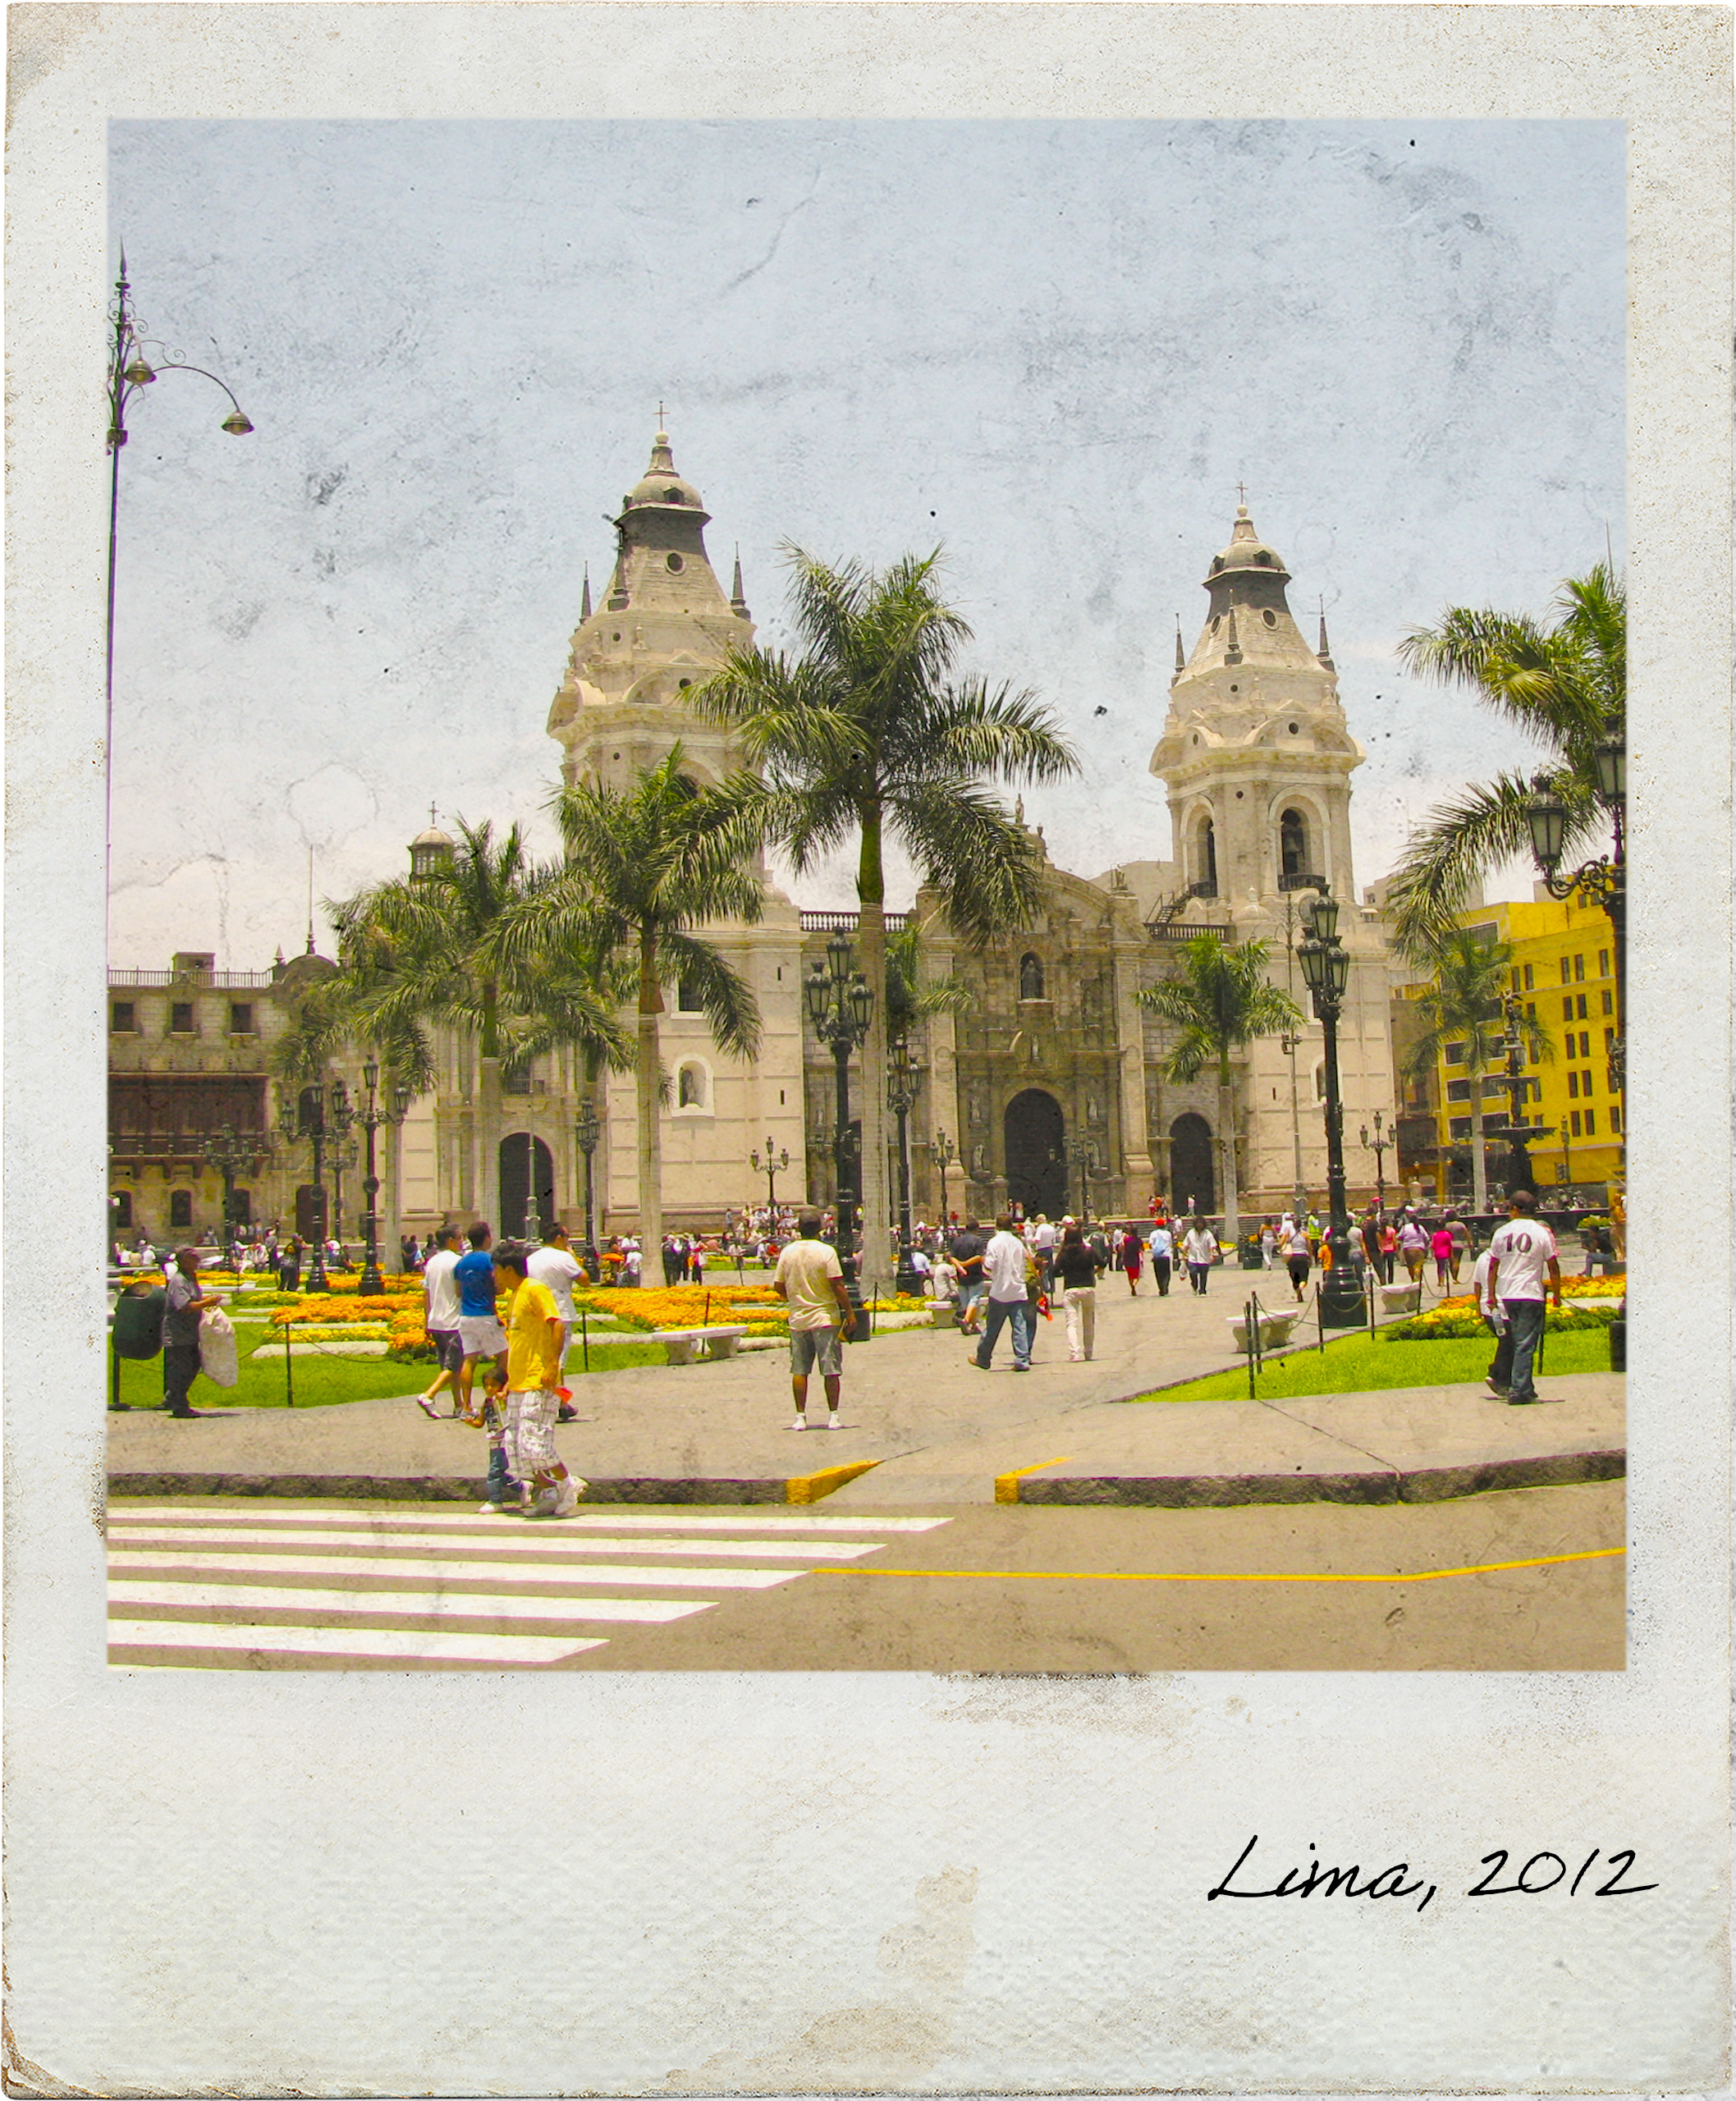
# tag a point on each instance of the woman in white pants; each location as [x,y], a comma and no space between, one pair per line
[1076,1272]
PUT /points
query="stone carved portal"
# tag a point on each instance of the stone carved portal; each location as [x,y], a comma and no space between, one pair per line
[514,1182]
[1190,1164]
[1036,1166]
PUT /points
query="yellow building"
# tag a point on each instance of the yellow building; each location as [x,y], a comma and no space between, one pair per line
[1564,972]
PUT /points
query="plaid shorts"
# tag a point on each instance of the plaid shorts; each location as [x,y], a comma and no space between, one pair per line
[530,1433]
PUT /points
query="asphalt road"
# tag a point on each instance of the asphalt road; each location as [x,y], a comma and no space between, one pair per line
[964,1588]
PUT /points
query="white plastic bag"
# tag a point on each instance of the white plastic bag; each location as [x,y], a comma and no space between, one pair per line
[218,1356]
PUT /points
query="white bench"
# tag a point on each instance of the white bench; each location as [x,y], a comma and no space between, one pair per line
[1274,1329]
[1399,1298]
[681,1345]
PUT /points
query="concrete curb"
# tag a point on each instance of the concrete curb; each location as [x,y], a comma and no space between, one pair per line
[449,1488]
[1220,1491]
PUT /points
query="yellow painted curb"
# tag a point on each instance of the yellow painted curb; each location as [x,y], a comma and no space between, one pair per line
[1209,1576]
[810,1488]
[1006,1485]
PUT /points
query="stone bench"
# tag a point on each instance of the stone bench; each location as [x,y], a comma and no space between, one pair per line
[1274,1329]
[1400,1298]
[681,1345]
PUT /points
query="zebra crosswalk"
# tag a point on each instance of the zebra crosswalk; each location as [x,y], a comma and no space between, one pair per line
[233,1586]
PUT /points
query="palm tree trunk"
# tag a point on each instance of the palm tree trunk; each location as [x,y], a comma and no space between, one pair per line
[1226,1123]
[870,957]
[488,1114]
[647,1075]
[1479,1163]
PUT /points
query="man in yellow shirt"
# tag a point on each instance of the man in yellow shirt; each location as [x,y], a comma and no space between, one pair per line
[536,1337]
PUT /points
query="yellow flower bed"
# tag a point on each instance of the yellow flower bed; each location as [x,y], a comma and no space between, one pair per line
[329,1308]
[684,1305]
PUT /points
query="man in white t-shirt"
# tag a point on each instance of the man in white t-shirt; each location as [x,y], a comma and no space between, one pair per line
[1004,1262]
[809,1278]
[440,1316]
[553,1263]
[1520,1253]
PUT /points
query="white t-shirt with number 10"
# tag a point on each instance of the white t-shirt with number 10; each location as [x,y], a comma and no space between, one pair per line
[1523,1249]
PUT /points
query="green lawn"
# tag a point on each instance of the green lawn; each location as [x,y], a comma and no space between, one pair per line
[323,1381]
[1358,1365]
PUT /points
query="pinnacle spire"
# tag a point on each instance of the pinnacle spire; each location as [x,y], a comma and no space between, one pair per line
[662,460]
[1181,659]
[1325,651]
[585,602]
[738,601]
[1233,645]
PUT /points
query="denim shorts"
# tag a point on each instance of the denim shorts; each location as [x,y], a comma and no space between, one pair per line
[806,1344]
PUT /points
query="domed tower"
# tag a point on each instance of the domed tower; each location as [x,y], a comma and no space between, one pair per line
[665,625]
[1255,752]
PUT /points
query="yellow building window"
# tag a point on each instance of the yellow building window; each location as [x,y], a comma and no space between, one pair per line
[1574,1120]
[1591,1122]
[1603,962]
[1579,970]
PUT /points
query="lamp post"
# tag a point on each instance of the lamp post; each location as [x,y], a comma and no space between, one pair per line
[1520,1132]
[128,372]
[229,1151]
[1325,971]
[1082,1158]
[588,1130]
[942,1151]
[1377,1145]
[904,1079]
[305,1118]
[772,1166]
[840,1004]
[370,1116]
[1603,881]
[342,1154]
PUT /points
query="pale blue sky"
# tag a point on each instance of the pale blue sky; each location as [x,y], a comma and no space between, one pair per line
[1055,346]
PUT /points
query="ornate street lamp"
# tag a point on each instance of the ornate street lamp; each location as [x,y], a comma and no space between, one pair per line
[1325,971]
[903,1079]
[942,1151]
[1603,881]
[128,372]
[1082,1158]
[342,1152]
[1378,1145]
[370,1117]
[588,1130]
[305,1118]
[772,1166]
[229,1151]
[840,1004]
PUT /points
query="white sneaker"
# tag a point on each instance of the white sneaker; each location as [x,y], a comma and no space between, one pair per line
[834,1424]
[427,1407]
[567,1497]
[499,1510]
[800,1423]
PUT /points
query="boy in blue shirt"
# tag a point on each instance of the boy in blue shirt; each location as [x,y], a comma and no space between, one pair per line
[479,1331]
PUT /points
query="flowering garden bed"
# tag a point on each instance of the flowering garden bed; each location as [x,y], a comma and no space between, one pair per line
[1594,1302]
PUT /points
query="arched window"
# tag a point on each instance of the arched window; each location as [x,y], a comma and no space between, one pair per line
[1293,843]
[1030,978]
[692,1090]
[1205,858]
[181,1210]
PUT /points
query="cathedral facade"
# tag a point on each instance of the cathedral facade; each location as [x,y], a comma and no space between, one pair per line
[1046,1087]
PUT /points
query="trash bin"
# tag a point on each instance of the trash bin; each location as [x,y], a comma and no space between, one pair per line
[138,1329]
[863,1330]
[1247,1250]
[1619,1345]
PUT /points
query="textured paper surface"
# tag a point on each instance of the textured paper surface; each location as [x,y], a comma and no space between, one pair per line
[534,1886]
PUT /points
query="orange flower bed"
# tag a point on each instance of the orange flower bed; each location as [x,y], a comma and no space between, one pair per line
[684,1304]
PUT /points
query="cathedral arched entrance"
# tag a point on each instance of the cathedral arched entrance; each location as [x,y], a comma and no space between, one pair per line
[1036,1164]
[1190,1165]
[520,1152]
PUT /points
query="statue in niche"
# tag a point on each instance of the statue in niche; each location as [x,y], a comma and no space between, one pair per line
[977,1108]
[979,1162]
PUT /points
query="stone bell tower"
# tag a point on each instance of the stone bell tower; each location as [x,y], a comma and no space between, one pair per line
[664,625]
[1255,752]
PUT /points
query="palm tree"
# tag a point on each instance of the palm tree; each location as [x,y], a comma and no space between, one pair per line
[1567,687]
[427,947]
[645,866]
[1464,1007]
[869,732]
[1221,1001]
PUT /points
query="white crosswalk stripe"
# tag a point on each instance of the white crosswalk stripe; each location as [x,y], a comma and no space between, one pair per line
[230,1587]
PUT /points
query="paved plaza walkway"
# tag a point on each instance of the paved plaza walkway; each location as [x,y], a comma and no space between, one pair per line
[922,1426]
